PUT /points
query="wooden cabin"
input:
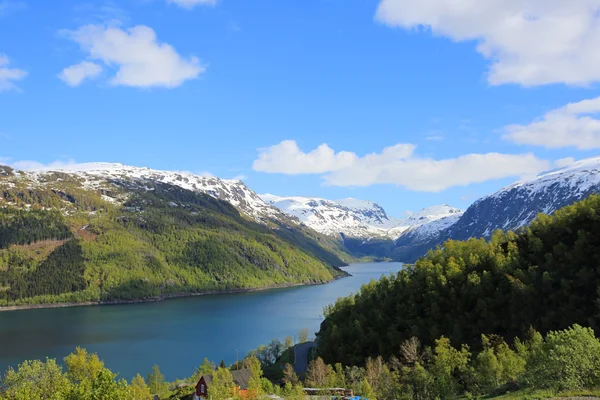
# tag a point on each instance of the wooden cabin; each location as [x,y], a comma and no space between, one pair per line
[241,378]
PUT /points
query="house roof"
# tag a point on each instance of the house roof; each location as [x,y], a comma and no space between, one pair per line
[240,377]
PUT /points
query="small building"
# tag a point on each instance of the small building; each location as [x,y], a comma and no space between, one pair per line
[241,378]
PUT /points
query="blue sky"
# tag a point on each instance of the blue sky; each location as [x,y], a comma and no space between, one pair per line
[465,99]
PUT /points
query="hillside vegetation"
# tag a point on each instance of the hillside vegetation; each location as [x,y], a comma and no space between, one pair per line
[519,312]
[63,242]
[545,277]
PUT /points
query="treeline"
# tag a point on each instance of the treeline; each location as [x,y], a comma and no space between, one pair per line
[61,272]
[545,277]
[566,361]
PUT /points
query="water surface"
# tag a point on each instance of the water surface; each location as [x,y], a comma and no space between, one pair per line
[176,334]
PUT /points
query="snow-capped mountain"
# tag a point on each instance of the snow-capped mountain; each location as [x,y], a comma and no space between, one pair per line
[517,205]
[359,218]
[510,208]
[95,175]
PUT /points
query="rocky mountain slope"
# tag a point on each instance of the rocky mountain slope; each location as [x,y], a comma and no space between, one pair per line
[512,207]
[235,192]
[98,232]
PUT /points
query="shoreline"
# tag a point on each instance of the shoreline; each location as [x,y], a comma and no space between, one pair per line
[163,297]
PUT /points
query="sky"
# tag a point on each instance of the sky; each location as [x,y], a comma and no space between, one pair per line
[409,104]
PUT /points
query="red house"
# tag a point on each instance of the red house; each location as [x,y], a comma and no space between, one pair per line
[240,379]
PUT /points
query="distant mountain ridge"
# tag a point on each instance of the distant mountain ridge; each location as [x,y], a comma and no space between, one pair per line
[363,227]
[512,207]
[361,219]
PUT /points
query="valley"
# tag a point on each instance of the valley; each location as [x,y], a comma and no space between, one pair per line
[123,234]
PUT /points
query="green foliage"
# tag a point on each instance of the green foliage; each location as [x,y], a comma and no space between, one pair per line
[156,381]
[303,335]
[255,384]
[545,277]
[36,380]
[568,359]
[82,366]
[206,368]
[86,379]
[222,386]
[497,364]
[27,227]
[163,241]
[448,365]
[139,388]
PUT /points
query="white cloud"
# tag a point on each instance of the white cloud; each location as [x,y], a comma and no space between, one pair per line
[76,74]
[137,55]
[29,165]
[574,125]
[529,42]
[564,162]
[396,165]
[192,3]
[9,75]
[287,158]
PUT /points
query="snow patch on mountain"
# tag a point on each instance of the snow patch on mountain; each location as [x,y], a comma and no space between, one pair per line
[518,204]
[359,218]
[95,175]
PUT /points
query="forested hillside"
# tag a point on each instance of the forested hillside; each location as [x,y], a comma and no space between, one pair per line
[63,241]
[544,278]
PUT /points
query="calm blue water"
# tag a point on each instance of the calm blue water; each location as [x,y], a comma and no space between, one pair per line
[175,334]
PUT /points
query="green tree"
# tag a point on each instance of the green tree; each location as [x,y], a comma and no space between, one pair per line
[448,365]
[255,389]
[139,388]
[222,386]
[418,382]
[289,342]
[156,381]
[303,335]
[206,368]
[568,359]
[497,364]
[105,387]
[35,380]
[366,390]
[293,392]
[82,366]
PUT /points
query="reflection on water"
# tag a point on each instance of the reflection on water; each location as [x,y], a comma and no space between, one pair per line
[176,334]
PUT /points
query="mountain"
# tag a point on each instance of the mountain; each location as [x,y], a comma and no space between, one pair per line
[512,207]
[353,218]
[104,232]
[364,226]
[234,192]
